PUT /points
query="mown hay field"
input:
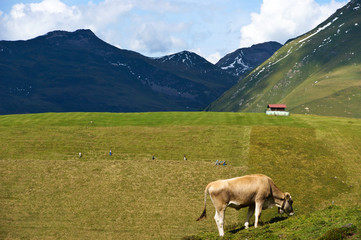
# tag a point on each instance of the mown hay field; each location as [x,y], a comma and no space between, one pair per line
[47,191]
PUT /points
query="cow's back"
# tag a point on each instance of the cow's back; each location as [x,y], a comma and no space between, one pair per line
[242,191]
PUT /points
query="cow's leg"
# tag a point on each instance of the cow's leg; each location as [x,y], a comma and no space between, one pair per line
[249,215]
[219,217]
[258,210]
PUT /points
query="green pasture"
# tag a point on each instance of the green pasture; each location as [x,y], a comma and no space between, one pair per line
[48,192]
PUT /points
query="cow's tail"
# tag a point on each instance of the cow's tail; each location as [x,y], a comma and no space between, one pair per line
[204,213]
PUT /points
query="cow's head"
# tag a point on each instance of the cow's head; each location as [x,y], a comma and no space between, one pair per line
[286,205]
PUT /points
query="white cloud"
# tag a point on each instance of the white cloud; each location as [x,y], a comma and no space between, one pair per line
[214,58]
[133,24]
[160,27]
[279,20]
[157,37]
[30,20]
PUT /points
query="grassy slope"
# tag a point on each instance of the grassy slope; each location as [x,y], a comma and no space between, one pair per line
[48,192]
[318,72]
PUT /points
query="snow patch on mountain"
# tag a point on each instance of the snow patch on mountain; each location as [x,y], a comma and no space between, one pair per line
[185,58]
[239,61]
[118,64]
[318,30]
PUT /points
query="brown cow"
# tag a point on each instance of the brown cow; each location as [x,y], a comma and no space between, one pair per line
[254,191]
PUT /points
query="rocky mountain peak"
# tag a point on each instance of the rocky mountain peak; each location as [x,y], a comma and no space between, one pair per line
[245,59]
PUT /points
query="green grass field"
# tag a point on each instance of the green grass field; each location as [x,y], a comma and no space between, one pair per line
[48,192]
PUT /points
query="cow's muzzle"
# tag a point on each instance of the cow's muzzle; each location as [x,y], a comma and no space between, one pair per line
[282,211]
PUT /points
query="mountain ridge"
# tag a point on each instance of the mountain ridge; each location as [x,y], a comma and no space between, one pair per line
[311,73]
[76,71]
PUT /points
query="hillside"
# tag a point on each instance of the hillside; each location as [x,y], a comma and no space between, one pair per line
[47,191]
[76,71]
[316,73]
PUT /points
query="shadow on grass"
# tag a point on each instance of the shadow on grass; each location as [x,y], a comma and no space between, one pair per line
[236,228]
[277,219]
[273,220]
[192,238]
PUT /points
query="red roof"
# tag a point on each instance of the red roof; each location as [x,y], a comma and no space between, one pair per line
[277,105]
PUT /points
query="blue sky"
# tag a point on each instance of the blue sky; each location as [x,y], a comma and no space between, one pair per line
[211,28]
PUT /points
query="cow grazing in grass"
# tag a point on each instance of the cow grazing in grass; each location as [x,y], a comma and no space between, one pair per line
[254,191]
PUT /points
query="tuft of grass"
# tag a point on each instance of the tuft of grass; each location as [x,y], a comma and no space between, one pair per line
[343,232]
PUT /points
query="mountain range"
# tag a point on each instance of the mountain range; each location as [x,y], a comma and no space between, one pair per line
[78,72]
[318,72]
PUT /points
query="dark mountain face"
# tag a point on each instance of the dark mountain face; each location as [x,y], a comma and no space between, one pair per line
[244,60]
[191,66]
[76,71]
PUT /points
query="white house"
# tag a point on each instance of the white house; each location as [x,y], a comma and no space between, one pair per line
[277,109]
